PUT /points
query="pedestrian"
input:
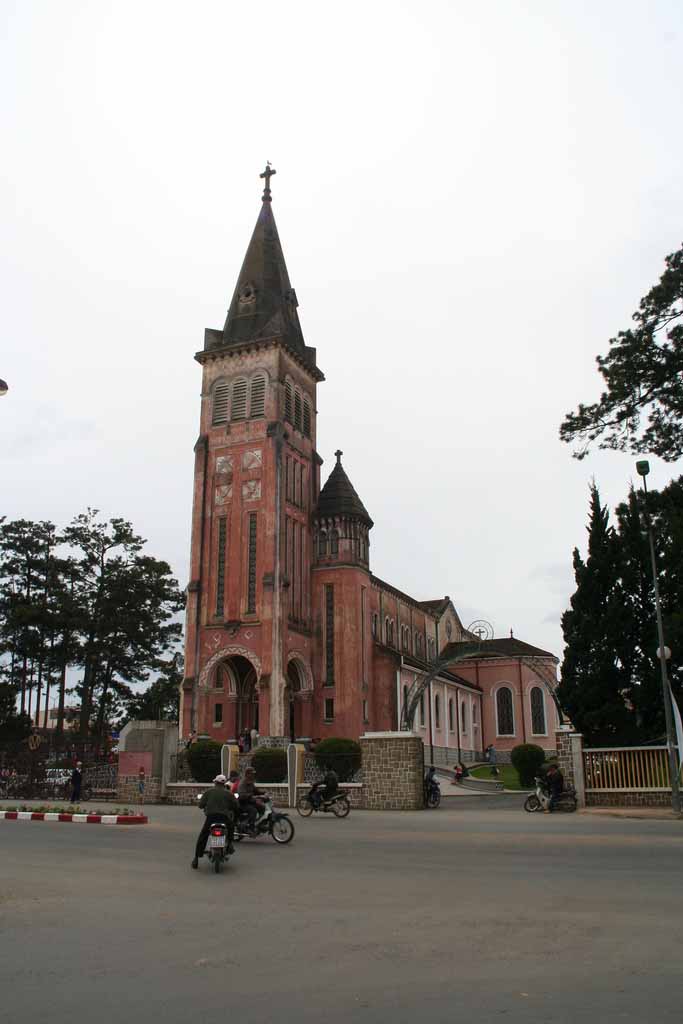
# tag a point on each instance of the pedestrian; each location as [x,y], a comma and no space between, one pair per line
[234,782]
[493,760]
[246,741]
[76,780]
[254,738]
[240,743]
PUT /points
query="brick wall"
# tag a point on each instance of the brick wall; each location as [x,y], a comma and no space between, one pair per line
[626,799]
[185,794]
[127,790]
[393,772]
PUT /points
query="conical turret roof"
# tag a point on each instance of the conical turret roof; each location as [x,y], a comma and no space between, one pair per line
[338,497]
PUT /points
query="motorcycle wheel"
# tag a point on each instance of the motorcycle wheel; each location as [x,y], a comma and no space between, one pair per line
[281,829]
[570,805]
[304,806]
[434,800]
[217,863]
[341,807]
[532,803]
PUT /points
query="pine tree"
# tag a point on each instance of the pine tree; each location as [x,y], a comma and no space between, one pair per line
[595,675]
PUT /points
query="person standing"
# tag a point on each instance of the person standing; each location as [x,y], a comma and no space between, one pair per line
[76,782]
[254,738]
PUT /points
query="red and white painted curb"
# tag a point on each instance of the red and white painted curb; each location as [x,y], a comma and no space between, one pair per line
[85,819]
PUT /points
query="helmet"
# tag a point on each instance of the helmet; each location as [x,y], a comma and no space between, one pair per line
[220,779]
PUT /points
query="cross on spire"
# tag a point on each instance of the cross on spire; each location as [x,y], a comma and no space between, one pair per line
[267,174]
[339,454]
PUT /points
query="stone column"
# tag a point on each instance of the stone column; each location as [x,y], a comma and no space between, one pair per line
[570,760]
[393,771]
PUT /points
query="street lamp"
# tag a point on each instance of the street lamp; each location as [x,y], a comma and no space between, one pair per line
[643,468]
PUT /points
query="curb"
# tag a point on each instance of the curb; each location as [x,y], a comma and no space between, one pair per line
[88,819]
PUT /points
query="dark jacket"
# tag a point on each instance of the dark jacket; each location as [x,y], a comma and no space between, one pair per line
[218,800]
[555,783]
[248,791]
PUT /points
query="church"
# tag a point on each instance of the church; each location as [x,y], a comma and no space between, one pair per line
[288,631]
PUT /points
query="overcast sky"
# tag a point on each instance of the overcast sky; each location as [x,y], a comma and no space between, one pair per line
[471,198]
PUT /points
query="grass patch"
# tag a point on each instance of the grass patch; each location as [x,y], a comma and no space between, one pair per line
[507,775]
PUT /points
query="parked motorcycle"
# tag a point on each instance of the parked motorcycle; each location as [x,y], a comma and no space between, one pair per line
[217,845]
[313,801]
[540,800]
[270,822]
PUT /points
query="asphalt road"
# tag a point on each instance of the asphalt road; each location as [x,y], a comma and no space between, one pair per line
[476,911]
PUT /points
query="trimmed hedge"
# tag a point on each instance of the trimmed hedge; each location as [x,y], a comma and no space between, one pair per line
[204,759]
[270,764]
[527,759]
[342,755]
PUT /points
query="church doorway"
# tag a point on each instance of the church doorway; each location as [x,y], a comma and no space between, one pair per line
[237,676]
[293,692]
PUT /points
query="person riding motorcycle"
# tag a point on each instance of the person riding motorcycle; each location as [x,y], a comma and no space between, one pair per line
[248,794]
[323,791]
[219,805]
[430,781]
[555,783]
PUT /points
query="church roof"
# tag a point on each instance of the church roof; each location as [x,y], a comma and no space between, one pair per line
[264,304]
[506,646]
[437,607]
[338,497]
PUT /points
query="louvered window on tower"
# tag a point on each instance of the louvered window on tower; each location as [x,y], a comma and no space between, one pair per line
[288,401]
[239,400]
[307,417]
[334,543]
[297,410]
[257,403]
[221,393]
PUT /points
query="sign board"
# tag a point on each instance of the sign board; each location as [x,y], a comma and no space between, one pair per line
[131,762]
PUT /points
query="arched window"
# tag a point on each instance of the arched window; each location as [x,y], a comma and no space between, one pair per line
[257,399]
[450,715]
[288,401]
[422,709]
[297,409]
[404,637]
[374,625]
[463,716]
[307,417]
[238,409]
[221,394]
[322,544]
[405,699]
[418,643]
[334,543]
[506,721]
[538,726]
[437,712]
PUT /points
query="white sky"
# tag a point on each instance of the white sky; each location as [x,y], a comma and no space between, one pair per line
[472,198]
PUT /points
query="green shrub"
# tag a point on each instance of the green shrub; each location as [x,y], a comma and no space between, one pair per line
[527,759]
[204,758]
[342,755]
[270,764]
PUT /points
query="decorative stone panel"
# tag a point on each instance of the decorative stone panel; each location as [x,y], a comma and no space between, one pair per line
[393,771]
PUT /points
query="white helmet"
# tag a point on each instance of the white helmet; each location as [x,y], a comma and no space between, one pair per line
[221,779]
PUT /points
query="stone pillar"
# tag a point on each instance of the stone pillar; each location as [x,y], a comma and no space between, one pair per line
[570,760]
[393,771]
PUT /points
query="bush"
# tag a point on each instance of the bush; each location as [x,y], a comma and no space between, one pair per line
[204,758]
[270,764]
[342,755]
[527,759]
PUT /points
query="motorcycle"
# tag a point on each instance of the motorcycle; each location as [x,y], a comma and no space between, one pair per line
[432,793]
[270,822]
[217,845]
[540,800]
[313,801]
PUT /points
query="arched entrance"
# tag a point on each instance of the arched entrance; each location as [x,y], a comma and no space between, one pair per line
[237,678]
[298,695]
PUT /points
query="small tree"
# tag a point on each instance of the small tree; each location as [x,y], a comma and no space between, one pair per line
[270,764]
[527,759]
[204,759]
[342,755]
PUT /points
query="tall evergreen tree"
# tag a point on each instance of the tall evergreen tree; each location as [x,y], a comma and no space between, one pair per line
[595,671]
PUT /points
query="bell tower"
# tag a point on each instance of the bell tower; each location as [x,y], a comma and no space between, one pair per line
[256,482]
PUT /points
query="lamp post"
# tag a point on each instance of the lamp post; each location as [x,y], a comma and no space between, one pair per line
[643,468]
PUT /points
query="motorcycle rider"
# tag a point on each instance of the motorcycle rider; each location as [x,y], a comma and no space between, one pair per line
[555,784]
[248,794]
[218,805]
[234,782]
[430,781]
[330,788]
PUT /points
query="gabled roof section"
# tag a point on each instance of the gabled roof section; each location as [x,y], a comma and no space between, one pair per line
[339,498]
[506,647]
[437,607]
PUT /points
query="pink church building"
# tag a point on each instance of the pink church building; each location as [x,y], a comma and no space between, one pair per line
[288,630]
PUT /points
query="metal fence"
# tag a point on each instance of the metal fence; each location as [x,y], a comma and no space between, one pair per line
[633,769]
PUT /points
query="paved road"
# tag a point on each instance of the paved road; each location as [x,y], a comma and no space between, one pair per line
[473,912]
